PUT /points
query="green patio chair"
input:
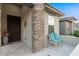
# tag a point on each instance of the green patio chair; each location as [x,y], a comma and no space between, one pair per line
[54,38]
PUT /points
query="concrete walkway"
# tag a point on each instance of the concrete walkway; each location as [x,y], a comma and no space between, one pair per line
[75,52]
[21,49]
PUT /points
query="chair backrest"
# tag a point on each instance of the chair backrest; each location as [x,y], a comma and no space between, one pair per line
[53,36]
[56,36]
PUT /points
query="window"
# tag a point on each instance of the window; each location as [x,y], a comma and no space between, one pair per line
[50,23]
[50,20]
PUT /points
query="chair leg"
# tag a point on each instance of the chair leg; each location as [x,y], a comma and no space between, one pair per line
[49,43]
[56,45]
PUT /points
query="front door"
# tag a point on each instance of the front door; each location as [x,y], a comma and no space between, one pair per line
[14,28]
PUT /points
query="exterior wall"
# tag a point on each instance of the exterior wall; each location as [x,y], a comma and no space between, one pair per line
[34,34]
[65,28]
[3,18]
[0,24]
[56,26]
[13,9]
[26,30]
[62,28]
[68,28]
[73,26]
[38,27]
[9,9]
[45,29]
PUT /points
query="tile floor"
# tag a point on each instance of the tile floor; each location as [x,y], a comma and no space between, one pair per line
[21,49]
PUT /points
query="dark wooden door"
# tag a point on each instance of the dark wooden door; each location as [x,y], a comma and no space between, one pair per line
[14,28]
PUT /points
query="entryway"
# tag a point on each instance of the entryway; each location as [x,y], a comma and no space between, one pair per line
[14,28]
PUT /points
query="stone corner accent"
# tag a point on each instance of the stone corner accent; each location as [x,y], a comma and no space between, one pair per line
[38,27]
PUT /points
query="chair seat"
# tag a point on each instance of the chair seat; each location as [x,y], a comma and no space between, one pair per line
[54,38]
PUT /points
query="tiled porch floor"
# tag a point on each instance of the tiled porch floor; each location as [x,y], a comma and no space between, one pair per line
[21,49]
[63,50]
[15,49]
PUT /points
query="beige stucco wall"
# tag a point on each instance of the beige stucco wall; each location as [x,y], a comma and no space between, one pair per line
[45,29]
[3,18]
[13,9]
[26,31]
[56,26]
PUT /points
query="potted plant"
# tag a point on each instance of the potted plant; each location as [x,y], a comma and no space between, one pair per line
[5,37]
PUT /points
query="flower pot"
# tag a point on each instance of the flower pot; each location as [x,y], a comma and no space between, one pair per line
[5,40]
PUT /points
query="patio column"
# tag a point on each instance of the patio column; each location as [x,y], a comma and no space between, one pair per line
[0,24]
[38,27]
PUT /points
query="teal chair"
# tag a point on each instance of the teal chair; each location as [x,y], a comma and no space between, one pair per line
[54,38]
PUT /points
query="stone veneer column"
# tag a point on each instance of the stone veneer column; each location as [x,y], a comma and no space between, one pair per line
[38,27]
